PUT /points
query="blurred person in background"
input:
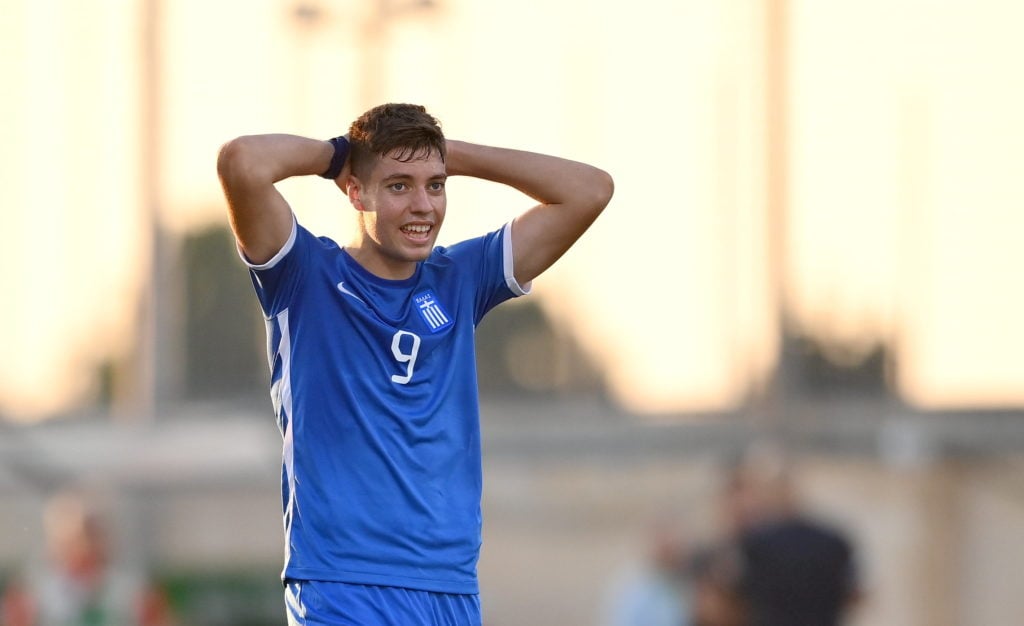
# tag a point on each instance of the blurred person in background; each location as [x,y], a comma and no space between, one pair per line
[657,591]
[79,584]
[781,567]
[714,569]
[373,366]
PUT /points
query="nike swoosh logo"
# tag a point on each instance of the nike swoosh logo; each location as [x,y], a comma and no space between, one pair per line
[344,290]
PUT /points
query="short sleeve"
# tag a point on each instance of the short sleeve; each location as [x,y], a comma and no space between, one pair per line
[276,280]
[490,261]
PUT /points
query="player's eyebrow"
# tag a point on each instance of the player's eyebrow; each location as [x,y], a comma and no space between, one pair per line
[406,177]
[396,177]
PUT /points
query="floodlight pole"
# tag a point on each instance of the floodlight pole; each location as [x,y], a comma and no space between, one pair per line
[770,400]
[155,372]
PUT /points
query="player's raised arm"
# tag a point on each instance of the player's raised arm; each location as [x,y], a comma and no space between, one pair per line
[571,196]
[248,167]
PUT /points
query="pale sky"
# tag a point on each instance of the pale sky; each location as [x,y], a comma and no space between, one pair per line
[904,139]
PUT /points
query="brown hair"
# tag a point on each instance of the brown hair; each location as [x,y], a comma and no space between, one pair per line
[405,131]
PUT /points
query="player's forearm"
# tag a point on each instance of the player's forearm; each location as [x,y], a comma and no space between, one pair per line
[267,159]
[546,179]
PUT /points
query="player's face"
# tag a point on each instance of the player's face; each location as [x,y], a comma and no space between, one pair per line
[401,209]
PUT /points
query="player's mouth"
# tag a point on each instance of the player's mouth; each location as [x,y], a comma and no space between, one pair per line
[419,232]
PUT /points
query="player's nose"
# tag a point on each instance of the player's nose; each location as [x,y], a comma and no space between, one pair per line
[421,201]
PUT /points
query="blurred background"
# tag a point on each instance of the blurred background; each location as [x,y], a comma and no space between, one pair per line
[814,247]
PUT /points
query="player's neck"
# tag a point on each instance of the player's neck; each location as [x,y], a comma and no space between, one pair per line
[370,259]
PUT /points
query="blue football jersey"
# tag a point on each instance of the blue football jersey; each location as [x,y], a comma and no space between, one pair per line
[375,390]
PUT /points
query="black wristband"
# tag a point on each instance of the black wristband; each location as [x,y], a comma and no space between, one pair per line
[341,147]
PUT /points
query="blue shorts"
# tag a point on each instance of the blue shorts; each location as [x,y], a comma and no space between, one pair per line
[319,603]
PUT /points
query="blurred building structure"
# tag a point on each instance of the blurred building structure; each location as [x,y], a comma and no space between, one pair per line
[933,499]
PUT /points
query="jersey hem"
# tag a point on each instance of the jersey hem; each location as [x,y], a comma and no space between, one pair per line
[285,249]
[507,263]
[468,587]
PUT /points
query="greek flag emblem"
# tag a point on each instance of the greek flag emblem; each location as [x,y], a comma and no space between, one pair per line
[431,311]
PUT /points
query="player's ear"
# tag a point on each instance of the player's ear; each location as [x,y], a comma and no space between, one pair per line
[353,188]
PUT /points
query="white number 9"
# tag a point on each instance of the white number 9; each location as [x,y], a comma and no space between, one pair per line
[405,357]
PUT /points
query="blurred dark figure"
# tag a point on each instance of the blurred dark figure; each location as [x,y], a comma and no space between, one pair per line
[658,592]
[783,568]
[79,585]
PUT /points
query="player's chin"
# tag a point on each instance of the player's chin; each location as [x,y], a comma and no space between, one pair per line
[420,250]
[415,254]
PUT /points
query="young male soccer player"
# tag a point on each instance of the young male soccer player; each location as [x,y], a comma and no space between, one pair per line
[371,346]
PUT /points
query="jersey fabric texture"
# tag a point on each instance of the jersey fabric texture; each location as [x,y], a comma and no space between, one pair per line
[315,602]
[374,386]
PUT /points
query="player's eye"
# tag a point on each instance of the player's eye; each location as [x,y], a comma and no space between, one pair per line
[436,186]
[397,187]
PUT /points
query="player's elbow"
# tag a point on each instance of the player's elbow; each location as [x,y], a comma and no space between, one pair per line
[238,162]
[606,185]
[601,189]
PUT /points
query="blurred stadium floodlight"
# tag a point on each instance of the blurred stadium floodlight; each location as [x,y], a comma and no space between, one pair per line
[371,34]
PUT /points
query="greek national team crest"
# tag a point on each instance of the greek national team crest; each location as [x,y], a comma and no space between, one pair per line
[431,312]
